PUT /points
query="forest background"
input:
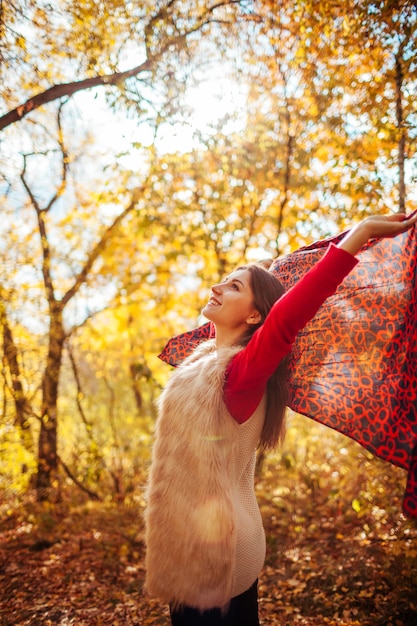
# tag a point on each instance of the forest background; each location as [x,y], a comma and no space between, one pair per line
[146,149]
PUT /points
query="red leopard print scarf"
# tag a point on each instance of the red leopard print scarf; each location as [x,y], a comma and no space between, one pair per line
[354,366]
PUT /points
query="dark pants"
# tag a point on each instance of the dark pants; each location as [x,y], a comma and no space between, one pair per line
[243,611]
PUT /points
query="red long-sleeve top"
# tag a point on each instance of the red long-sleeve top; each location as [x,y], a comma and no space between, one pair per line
[249,371]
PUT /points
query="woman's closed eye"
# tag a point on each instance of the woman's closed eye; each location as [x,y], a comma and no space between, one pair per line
[233,284]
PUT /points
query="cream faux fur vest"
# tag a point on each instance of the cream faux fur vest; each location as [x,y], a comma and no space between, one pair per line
[190,521]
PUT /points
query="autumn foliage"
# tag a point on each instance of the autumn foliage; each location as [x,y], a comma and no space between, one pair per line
[124,197]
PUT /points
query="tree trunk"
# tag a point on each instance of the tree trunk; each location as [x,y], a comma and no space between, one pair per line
[401,130]
[20,402]
[48,435]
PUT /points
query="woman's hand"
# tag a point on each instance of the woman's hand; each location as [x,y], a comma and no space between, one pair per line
[374,227]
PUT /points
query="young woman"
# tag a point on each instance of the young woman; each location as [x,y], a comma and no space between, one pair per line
[205,538]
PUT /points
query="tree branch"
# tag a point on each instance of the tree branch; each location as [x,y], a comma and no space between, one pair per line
[57,92]
[68,89]
[78,395]
[97,250]
[64,161]
[92,494]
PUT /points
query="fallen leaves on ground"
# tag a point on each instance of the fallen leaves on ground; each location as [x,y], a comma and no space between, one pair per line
[84,566]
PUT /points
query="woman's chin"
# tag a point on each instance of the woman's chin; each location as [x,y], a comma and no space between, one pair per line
[208,313]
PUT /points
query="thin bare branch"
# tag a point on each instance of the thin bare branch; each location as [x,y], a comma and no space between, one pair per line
[92,494]
[98,249]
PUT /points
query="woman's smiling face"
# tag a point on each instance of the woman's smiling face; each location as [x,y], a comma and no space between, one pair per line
[231,302]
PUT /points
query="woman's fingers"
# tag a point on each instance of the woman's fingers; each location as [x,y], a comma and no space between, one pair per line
[376,226]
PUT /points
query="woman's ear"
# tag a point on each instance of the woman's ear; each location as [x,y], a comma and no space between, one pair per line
[254,318]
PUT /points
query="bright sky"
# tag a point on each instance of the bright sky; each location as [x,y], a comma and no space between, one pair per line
[209,102]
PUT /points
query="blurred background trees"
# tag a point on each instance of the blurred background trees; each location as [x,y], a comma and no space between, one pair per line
[146,148]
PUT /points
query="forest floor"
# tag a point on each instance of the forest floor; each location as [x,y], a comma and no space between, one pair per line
[84,566]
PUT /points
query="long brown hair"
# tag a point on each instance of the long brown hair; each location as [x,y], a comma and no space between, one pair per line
[266,290]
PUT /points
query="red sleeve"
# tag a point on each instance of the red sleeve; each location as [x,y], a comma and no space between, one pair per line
[250,369]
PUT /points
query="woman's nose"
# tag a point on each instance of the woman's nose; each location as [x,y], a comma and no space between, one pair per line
[216,289]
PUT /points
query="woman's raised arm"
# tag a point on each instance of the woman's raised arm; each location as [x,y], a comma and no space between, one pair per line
[374,227]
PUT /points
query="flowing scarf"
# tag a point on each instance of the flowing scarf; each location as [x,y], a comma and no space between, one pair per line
[354,365]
